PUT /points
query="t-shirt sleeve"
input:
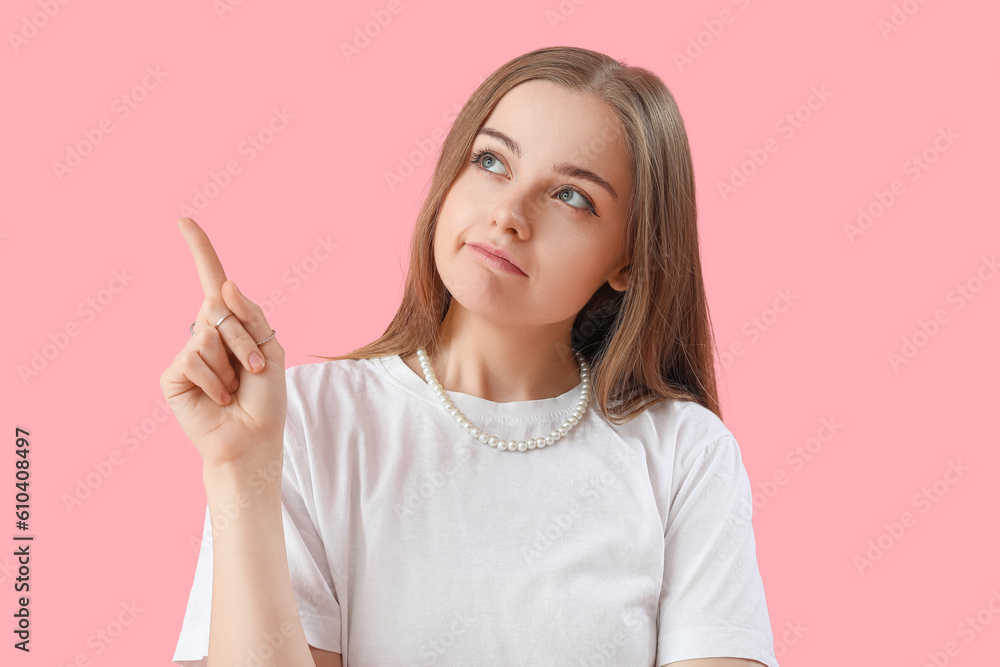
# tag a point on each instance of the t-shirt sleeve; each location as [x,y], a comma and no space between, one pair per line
[312,582]
[712,602]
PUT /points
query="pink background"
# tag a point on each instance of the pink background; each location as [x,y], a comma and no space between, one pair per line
[826,357]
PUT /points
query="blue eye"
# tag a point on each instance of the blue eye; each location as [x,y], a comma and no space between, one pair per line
[573,191]
[490,161]
[485,159]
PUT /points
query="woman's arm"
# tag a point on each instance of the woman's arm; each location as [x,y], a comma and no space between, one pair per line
[327,658]
[254,612]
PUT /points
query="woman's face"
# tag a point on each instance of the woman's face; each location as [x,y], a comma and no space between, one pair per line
[564,230]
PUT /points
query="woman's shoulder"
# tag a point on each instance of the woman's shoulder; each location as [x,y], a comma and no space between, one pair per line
[332,377]
[684,428]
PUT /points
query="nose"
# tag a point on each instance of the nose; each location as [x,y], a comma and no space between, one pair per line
[518,209]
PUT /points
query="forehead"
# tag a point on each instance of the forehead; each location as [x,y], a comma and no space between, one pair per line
[552,122]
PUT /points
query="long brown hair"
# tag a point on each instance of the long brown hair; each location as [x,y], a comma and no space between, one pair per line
[651,342]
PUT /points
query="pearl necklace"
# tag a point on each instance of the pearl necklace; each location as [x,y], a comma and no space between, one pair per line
[510,445]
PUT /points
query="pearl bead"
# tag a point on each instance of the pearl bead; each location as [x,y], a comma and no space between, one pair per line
[509,445]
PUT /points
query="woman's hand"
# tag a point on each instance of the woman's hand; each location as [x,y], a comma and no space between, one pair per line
[229,410]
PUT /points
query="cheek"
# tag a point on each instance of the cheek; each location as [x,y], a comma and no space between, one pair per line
[571,262]
[459,205]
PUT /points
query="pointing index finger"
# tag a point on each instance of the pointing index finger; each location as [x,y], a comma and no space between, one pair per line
[206,261]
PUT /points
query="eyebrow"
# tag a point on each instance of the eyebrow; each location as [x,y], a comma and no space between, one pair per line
[564,168]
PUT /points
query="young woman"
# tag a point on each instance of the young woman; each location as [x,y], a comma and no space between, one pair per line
[529,467]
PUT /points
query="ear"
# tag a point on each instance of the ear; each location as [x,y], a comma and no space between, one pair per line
[619,280]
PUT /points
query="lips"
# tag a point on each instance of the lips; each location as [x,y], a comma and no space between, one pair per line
[505,259]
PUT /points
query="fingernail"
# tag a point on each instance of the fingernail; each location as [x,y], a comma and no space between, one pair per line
[234,384]
[225,396]
[237,289]
[256,361]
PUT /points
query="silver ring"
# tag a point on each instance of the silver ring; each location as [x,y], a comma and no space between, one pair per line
[268,338]
[191,328]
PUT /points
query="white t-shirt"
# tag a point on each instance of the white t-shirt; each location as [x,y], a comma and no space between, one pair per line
[411,543]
